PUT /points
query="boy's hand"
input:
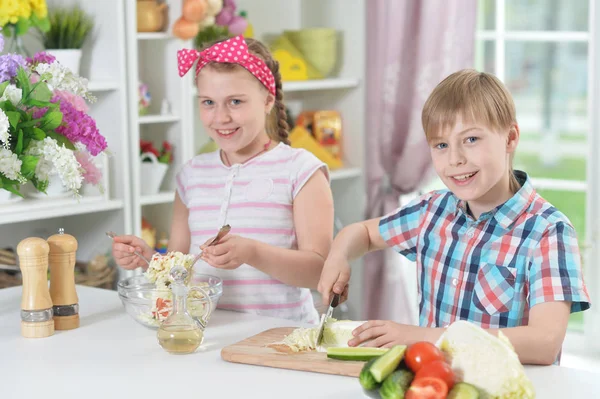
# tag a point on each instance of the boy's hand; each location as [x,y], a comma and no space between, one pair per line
[380,333]
[334,278]
[231,252]
[122,250]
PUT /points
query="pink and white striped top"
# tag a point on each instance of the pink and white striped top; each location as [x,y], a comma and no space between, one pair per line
[256,199]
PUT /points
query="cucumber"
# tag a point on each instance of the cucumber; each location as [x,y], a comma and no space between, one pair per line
[356,353]
[396,384]
[462,390]
[366,378]
[388,362]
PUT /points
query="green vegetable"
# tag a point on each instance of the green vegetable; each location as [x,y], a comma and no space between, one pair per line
[366,378]
[388,362]
[355,353]
[462,390]
[396,384]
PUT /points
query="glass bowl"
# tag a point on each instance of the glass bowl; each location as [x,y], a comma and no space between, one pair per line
[149,306]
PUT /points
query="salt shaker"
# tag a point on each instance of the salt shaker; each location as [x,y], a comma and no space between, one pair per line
[62,280]
[36,303]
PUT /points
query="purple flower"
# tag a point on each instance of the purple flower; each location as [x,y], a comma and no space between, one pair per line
[41,58]
[9,65]
[77,126]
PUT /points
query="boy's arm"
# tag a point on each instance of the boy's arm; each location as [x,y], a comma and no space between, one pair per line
[539,342]
[352,242]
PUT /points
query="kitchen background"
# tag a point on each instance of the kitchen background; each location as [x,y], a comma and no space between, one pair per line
[346,77]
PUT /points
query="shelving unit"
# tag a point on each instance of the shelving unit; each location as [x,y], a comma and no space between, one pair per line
[103,64]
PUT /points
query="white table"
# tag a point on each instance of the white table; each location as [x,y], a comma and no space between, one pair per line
[111,355]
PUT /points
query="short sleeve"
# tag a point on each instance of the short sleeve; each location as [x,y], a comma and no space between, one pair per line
[400,229]
[304,166]
[183,181]
[555,273]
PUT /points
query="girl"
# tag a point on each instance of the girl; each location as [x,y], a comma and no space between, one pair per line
[276,198]
[489,249]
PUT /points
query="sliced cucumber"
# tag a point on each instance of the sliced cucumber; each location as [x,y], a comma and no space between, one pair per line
[462,390]
[355,353]
[387,363]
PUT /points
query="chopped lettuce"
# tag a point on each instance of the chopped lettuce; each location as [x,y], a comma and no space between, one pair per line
[337,333]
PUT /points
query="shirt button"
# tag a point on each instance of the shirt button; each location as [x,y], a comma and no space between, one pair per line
[454,282]
[470,233]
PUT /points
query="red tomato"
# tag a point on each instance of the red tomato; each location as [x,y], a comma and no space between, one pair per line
[163,308]
[421,353]
[438,369]
[427,388]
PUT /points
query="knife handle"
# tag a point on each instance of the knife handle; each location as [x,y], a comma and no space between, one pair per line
[335,301]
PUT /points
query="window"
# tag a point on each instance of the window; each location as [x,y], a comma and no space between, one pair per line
[540,50]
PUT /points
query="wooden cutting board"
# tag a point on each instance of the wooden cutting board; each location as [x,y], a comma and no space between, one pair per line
[254,351]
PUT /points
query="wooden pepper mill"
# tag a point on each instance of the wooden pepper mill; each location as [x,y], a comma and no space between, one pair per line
[62,280]
[36,304]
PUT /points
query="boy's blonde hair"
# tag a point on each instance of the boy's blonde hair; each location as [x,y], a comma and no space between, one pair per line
[477,97]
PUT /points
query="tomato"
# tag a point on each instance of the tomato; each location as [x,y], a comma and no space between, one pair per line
[438,369]
[163,308]
[427,388]
[421,353]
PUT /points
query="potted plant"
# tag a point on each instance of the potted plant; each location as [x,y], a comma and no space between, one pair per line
[44,125]
[69,29]
[154,165]
[17,17]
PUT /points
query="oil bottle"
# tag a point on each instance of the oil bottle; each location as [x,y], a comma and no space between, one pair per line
[182,333]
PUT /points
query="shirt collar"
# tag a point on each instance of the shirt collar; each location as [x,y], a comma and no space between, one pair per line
[508,212]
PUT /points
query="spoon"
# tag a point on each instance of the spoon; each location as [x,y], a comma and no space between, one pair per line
[112,235]
[222,233]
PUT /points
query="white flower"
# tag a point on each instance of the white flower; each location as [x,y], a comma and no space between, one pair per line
[10,165]
[13,94]
[58,77]
[55,158]
[4,126]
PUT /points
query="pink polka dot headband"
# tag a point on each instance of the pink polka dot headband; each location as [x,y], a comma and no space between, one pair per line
[234,51]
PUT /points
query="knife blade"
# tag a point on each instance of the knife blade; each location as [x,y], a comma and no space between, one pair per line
[335,300]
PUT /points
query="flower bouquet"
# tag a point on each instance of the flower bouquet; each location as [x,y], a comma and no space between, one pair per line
[45,128]
[17,16]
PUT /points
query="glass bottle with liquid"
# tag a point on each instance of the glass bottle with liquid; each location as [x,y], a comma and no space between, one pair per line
[182,333]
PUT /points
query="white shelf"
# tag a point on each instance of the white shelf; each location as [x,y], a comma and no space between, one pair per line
[160,198]
[314,85]
[320,84]
[345,173]
[99,85]
[38,209]
[154,36]
[148,119]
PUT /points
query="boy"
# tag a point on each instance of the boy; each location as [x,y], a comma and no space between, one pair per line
[489,249]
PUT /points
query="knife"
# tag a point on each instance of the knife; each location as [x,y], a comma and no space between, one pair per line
[335,300]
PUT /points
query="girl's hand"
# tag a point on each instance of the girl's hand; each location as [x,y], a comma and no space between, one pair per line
[231,252]
[122,250]
[334,278]
[380,333]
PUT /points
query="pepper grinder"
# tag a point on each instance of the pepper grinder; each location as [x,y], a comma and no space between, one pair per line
[62,280]
[36,304]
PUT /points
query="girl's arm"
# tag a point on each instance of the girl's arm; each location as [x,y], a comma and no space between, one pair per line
[180,230]
[539,342]
[313,222]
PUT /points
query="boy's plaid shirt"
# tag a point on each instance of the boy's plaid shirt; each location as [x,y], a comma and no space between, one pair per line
[489,271]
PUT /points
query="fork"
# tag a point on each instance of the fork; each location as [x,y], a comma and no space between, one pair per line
[112,235]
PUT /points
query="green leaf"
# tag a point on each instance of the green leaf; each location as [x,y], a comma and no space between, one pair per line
[28,165]
[40,185]
[42,24]
[14,118]
[7,106]
[61,139]
[40,92]
[38,134]
[3,87]
[19,147]
[52,120]
[22,26]
[24,83]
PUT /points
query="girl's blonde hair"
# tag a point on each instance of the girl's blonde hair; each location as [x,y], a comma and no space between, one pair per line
[477,97]
[277,126]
